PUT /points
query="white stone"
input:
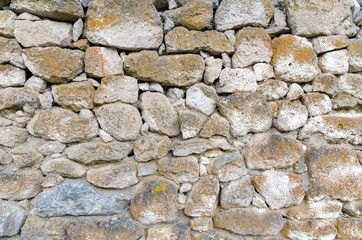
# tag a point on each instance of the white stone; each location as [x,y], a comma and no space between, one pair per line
[77,29]
[263,71]
[17,60]
[86,114]
[279,18]
[94,82]
[273,89]
[175,93]
[290,116]
[7,21]
[329,43]
[317,103]
[202,98]
[185,187]
[226,60]
[11,76]
[230,34]
[36,84]
[238,79]
[28,16]
[51,147]
[156,87]
[335,62]
[105,136]
[181,198]
[144,86]
[351,83]
[168,25]
[212,70]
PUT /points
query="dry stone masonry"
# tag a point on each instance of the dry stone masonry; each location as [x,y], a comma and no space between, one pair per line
[180,119]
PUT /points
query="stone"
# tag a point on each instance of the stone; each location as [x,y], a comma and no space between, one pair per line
[273,89]
[155,201]
[250,221]
[212,70]
[102,61]
[236,14]
[179,170]
[312,210]
[334,171]
[335,62]
[217,234]
[226,60]
[355,56]
[237,194]
[12,136]
[11,76]
[191,123]
[317,103]
[43,33]
[62,125]
[228,167]
[202,98]
[181,40]
[329,43]
[63,10]
[18,99]
[246,112]
[295,92]
[98,152]
[180,231]
[202,224]
[7,21]
[202,199]
[173,70]
[12,218]
[28,16]
[199,145]
[310,229]
[24,157]
[349,228]
[5,157]
[280,189]
[277,30]
[36,84]
[294,59]
[77,30]
[75,96]
[36,227]
[253,46]
[77,199]
[46,100]
[52,180]
[159,114]
[146,169]
[310,19]
[17,60]
[121,121]
[234,80]
[351,83]
[194,15]
[156,87]
[8,47]
[64,167]
[215,125]
[117,176]
[353,208]
[51,147]
[263,71]
[267,151]
[160,4]
[41,63]
[105,136]
[20,185]
[345,101]
[326,83]
[335,127]
[102,230]
[290,116]
[81,44]
[141,29]
[151,147]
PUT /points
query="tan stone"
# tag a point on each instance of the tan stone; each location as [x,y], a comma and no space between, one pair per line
[36,227]
[355,56]
[312,210]
[81,44]
[191,123]
[172,70]
[212,70]
[11,76]
[7,47]
[295,92]
[215,125]
[12,136]
[273,89]
[349,228]
[290,116]
[351,83]
[180,170]
[24,157]
[18,99]
[353,208]
[237,194]
[346,101]
[151,147]
[202,224]
[309,229]
[326,83]
[53,64]
[317,103]
[234,80]
[179,231]
[228,167]
[7,21]
[329,43]
[64,167]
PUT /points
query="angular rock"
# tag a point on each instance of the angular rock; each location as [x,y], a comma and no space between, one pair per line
[53,64]
[309,229]
[234,80]
[349,228]
[199,145]
[18,99]
[351,83]
[51,147]
[11,76]
[273,89]
[172,70]
[36,227]
[12,136]
[62,125]
[107,25]
[179,231]
[24,157]
[12,218]
[228,167]
[7,48]
[327,83]
[295,92]
[180,170]
[335,62]
[317,103]
[212,70]
[202,224]
[246,112]
[329,43]
[7,21]
[236,14]
[237,194]
[94,152]
[77,199]
[151,147]
[202,98]
[353,208]
[5,157]
[263,71]
[312,210]
[191,123]
[355,56]
[155,201]
[36,84]
[117,88]
[290,116]
[159,114]
[215,125]
[64,167]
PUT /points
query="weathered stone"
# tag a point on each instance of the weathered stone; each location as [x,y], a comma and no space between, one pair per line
[335,127]
[18,99]
[12,136]
[346,101]
[64,167]
[334,171]
[181,40]
[202,199]
[212,70]
[353,208]
[237,194]
[273,89]
[160,115]
[24,157]
[107,25]
[250,221]
[355,56]
[246,112]
[36,227]
[180,170]
[102,230]
[77,199]
[312,210]
[173,70]
[101,62]
[335,62]
[62,125]
[290,116]
[63,10]
[349,228]
[295,92]
[202,224]
[7,21]
[20,185]
[179,231]
[53,64]
[263,71]
[51,180]
[191,123]
[253,46]
[46,100]
[294,59]
[151,147]
[329,43]
[199,145]
[194,15]
[202,98]
[326,83]
[233,80]
[314,18]
[12,218]
[11,76]
[122,121]
[228,167]
[236,14]
[351,83]
[217,234]
[5,157]
[75,96]
[36,84]
[51,147]
[117,88]
[311,229]
[267,151]
[215,125]
[7,48]
[155,201]
[317,103]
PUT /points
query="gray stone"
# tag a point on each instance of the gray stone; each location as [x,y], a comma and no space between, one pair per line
[25,156]
[7,21]
[175,93]
[12,136]
[151,147]
[19,99]
[51,147]
[12,218]
[215,125]
[237,194]
[351,83]
[46,100]
[233,80]
[28,16]
[180,170]
[312,209]
[181,231]
[326,83]
[290,116]
[353,208]
[5,157]
[11,76]
[202,98]
[8,47]
[77,30]
[64,167]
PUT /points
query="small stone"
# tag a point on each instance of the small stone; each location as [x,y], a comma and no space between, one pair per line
[228,167]
[77,30]
[36,227]
[234,80]
[80,78]
[179,231]
[202,224]
[12,218]
[168,25]
[19,98]
[151,147]
[24,157]
[277,30]
[156,87]
[312,210]
[349,228]
[94,82]
[203,170]
[290,116]
[51,147]
[52,180]
[64,167]
[146,169]
[7,48]
[216,234]
[226,60]
[335,62]
[279,18]
[353,208]
[11,76]
[179,170]
[295,92]
[326,83]
[212,70]
[86,114]
[263,71]
[81,44]
[7,21]
[300,167]
[191,123]
[175,93]
[351,83]
[355,57]
[329,43]
[17,60]
[202,98]
[36,84]
[317,103]
[144,86]
[46,100]
[105,136]
[215,125]
[28,16]
[12,136]
[185,187]
[258,201]
[273,89]
[5,157]
[237,194]
[346,101]
[309,229]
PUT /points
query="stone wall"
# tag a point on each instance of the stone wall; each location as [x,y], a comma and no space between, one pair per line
[180,119]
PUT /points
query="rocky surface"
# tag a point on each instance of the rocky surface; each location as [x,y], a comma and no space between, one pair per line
[12,218]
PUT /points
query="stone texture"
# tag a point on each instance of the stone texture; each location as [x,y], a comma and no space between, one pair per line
[311,229]
[335,62]
[19,99]
[290,116]
[217,234]
[36,227]
[5,157]
[351,83]
[250,221]
[355,56]
[353,208]
[317,103]
[12,218]
[25,157]
[36,84]
[11,76]
[346,101]
[77,199]
[215,125]
[151,147]
[191,123]
[212,70]
[62,125]
[173,70]
[116,176]
[155,201]
[295,92]
[267,151]
[179,231]
[329,43]
[51,147]
[263,71]
[234,80]
[8,47]
[246,112]
[64,167]
[349,228]
[312,210]
[236,14]
[294,59]
[7,21]
[237,194]
[54,64]
[122,121]
[273,89]
[97,151]
[12,136]
[202,98]
[179,170]
[141,29]
[326,83]
[199,145]
[202,224]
